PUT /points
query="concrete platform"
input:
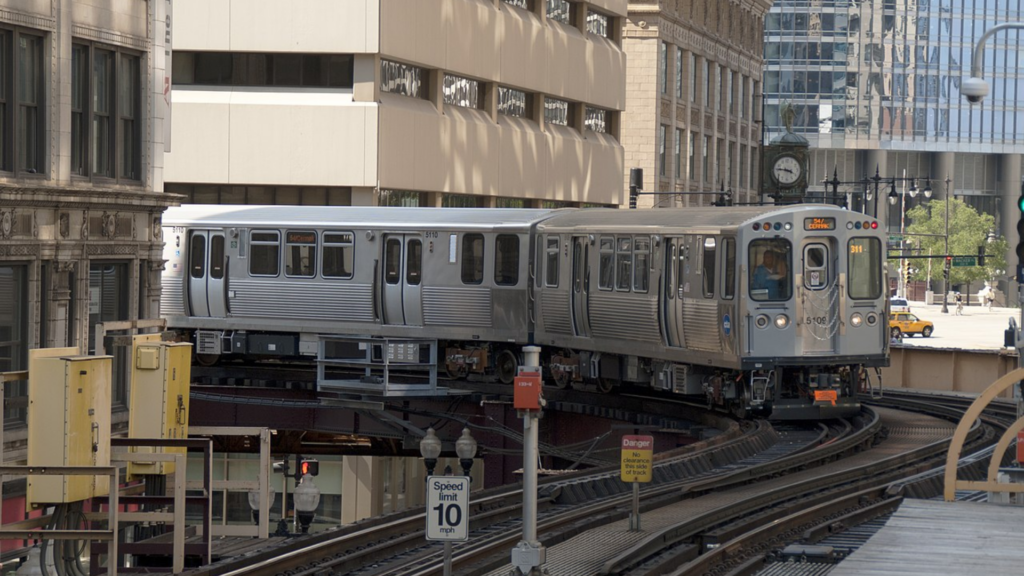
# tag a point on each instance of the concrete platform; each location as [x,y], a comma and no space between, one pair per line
[928,537]
[979,328]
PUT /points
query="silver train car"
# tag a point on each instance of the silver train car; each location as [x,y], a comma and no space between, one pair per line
[773,310]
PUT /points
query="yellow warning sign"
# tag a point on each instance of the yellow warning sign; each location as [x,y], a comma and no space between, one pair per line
[637,458]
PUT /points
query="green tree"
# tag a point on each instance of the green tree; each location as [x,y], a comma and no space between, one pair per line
[968,230]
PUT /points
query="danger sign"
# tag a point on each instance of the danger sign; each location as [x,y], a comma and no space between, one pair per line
[637,457]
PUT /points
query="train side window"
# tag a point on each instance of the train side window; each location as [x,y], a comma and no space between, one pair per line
[623,263]
[197,256]
[606,268]
[338,255]
[300,253]
[393,261]
[708,267]
[217,256]
[506,260]
[473,259]
[551,262]
[641,263]
[729,268]
[864,268]
[414,263]
[265,251]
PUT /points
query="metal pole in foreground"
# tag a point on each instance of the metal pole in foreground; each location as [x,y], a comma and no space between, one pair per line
[634,518]
[529,555]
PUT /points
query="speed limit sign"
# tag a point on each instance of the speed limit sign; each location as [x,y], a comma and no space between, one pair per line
[448,508]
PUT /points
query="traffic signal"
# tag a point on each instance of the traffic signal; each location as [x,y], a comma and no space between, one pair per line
[309,466]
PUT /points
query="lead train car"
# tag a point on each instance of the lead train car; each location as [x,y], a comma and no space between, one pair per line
[680,300]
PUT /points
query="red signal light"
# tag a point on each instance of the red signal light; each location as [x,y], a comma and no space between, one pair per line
[874,225]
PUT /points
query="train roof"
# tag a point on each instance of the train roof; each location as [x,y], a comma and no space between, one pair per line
[354,216]
[710,217]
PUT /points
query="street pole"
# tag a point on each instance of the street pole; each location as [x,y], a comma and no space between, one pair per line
[530,555]
[945,269]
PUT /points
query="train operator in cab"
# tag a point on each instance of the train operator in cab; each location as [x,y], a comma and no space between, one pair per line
[770,275]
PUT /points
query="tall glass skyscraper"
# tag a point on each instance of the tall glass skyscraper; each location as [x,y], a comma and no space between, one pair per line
[877,83]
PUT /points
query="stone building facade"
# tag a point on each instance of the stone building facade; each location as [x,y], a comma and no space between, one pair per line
[81,193]
[692,98]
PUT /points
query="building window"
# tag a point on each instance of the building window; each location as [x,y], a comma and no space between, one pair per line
[679,152]
[263,69]
[106,132]
[14,343]
[459,91]
[728,91]
[662,136]
[597,23]
[398,78]
[706,166]
[473,259]
[743,166]
[512,102]
[556,111]
[339,255]
[459,201]
[596,120]
[720,83]
[707,83]
[520,3]
[679,73]
[506,260]
[21,102]
[510,203]
[300,254]
[720,158]
[399,198]
[560,11]
[663,68]
[264,256]
[742,108]
[693,78]
[691,151]
[108,302]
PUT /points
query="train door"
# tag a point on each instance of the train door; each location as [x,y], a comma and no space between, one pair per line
[675,269]
[403,273]
[206,273]
[580,286]
[819,300]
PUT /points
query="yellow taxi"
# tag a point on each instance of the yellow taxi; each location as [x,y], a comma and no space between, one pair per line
[906,323]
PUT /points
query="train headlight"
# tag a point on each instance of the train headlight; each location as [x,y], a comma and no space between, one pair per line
[781,321]
[856,319]
[762,321]
[872,319]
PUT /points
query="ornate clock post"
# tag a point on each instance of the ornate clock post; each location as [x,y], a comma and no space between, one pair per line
[784,172]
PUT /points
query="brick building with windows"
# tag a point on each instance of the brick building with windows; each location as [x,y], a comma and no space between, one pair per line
[81,193]
[692,97]
[511,103]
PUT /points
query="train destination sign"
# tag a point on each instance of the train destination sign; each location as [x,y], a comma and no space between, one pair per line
[819,223]
[448,508]
[637,458]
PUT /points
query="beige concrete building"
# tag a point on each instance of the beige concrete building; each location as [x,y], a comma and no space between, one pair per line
[81,153]
[693,97]
[411,102]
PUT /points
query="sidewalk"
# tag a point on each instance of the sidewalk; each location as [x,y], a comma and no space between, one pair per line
[977,329]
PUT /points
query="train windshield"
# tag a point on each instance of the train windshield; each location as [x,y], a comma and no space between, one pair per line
[865,268]
[771,277]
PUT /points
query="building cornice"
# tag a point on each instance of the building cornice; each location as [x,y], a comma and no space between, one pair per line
[46,197]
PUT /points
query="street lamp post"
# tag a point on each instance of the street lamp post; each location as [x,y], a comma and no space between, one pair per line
[945,271]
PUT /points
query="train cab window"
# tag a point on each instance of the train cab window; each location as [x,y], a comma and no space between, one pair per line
[771,276]
[641,263]
[815,267]
[864,268]
[393,261]
[506,260]
[338,255]
[217,256]
[729,268]
[551,261]
[708,267]
[473,259]
[606,267]
[264,258]
[300,253]
[623,263]
[197,256]
[414,263]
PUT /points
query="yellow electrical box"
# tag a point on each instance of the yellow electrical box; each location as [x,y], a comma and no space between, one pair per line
[68,423]
[161,380]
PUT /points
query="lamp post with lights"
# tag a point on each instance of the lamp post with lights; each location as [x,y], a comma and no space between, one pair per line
[902,198]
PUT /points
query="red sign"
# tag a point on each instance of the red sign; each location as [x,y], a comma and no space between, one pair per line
[527,391]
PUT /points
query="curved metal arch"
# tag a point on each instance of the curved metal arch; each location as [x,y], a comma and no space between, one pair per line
[957,443]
